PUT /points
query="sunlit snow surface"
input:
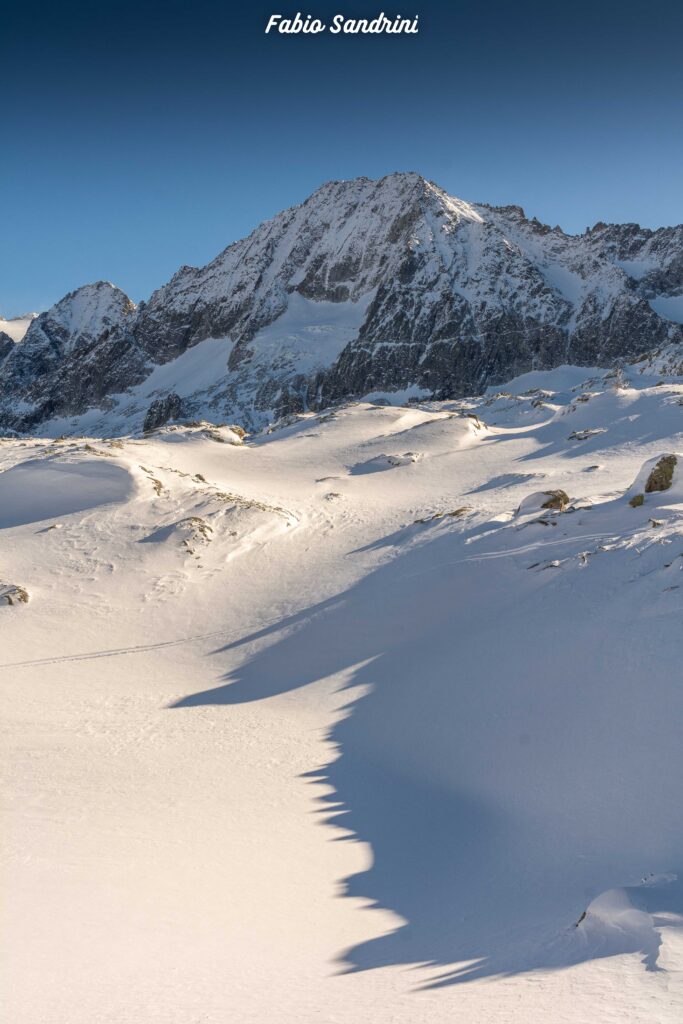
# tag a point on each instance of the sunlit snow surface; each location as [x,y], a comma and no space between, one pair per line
[234,655]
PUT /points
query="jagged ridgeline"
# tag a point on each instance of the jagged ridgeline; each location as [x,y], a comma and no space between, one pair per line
[368,286]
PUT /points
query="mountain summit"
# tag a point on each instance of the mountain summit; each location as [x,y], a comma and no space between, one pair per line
[367,286]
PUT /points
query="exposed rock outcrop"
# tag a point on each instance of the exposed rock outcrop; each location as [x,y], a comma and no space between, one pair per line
[161,411]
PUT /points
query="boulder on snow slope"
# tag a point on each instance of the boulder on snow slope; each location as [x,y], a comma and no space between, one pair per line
[11,594]
[659,482]
[543,501]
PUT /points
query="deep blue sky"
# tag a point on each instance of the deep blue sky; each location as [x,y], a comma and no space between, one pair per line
[138,137]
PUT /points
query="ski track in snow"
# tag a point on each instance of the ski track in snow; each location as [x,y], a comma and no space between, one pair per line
[205,691]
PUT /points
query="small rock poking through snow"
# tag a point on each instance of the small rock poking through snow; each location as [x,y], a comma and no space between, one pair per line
[11,594]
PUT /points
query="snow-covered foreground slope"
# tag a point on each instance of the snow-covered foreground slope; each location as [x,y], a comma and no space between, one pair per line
[448,634]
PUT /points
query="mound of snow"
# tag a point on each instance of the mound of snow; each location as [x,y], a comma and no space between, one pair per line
[47,488]
[382,462]
[233,521]
[220,432]
[191,532]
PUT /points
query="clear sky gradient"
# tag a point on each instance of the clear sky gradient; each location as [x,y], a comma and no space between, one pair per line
[137,137]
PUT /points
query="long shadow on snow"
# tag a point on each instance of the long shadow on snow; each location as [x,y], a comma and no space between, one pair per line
[493,776]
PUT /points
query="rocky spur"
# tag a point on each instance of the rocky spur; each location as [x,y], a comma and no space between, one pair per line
[341,24]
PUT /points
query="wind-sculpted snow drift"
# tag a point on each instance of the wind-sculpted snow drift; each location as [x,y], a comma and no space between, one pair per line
[368,286]
[446,632]
[47,488]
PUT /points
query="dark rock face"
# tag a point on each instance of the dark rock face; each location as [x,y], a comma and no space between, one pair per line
[6,346]
[367,286]
[72,357]
[161,411]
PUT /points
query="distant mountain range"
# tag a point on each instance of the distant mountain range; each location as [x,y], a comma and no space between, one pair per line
[367,288]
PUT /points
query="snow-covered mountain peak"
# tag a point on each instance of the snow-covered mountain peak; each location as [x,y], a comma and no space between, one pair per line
[396,184]
[368,286]
[400,193]
[70,355]
[89,310]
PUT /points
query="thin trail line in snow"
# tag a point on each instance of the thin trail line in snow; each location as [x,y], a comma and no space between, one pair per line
[114,651]
[142,648]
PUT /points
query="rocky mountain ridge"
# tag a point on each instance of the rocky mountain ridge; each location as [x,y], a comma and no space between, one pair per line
[388,286]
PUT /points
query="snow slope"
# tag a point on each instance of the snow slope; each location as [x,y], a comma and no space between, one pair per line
[352,627]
